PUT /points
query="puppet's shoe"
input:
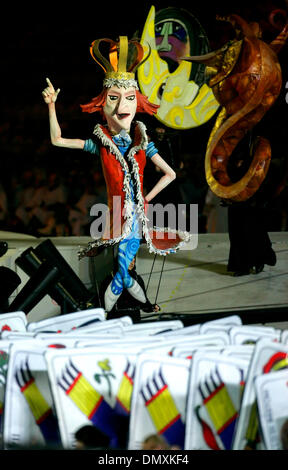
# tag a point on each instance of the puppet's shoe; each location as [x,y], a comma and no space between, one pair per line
[137,292]
[110,298]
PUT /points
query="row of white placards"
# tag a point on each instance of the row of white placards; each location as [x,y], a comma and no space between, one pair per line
[216,385]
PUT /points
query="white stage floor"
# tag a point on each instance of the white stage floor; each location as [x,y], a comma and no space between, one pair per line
[196,282]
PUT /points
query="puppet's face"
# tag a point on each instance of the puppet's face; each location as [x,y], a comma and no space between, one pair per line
[120,108]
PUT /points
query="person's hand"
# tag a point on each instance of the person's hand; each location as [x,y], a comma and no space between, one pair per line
[156,308]
[49,94]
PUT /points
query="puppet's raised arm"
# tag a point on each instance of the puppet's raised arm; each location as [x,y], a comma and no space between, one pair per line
[50,96]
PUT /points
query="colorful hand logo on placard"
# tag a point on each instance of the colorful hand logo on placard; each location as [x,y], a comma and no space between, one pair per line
[40,408]
[163,411]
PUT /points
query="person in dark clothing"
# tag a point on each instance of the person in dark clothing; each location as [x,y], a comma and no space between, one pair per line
[250,245]
[90,437]
[248,221]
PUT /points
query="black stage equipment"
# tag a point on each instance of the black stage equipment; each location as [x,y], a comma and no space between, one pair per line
[35,289]
[46,251]
[249,315]
[9,281]
[30,263]
[3,248]
[56,278]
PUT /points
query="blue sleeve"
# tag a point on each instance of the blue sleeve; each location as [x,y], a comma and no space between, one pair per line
[151,150]
[91,146]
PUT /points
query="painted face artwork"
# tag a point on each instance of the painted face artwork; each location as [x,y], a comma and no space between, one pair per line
[172,41]
[175,85]
[120,108]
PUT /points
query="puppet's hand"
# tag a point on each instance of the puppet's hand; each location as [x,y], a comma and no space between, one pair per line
[49,94]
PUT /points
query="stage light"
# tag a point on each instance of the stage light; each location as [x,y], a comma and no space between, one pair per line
[3,248]
[35,289]
[46,251]
[9,281]
[30,263]
[50,274]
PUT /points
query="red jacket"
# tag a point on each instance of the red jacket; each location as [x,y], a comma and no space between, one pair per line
[115,168]
[118,176]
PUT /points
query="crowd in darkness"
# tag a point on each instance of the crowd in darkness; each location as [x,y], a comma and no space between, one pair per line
[47,191]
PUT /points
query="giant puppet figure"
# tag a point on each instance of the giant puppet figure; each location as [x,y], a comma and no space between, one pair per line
[122,145]
[246,80]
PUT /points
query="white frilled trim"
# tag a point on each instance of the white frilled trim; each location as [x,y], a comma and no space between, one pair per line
[128,203]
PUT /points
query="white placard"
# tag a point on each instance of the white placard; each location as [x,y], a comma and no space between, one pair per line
[159,400]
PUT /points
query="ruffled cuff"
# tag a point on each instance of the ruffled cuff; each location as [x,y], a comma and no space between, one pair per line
[91,147]
[151,150]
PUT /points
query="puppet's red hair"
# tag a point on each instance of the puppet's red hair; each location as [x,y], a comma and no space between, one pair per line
[144,105]
[97,104]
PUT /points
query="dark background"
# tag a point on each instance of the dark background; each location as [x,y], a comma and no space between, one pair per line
[52,40]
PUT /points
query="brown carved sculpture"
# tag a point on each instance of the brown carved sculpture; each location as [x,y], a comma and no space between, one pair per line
[246,80]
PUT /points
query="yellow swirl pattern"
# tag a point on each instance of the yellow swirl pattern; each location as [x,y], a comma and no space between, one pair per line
[183,104]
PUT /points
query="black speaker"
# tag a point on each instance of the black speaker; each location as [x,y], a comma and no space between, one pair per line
[30,263]
[46,251]
[50,274]
[3,248]
[9,281]
[35,288]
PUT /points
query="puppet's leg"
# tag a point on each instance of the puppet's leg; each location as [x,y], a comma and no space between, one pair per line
[126,253]
[113,292]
